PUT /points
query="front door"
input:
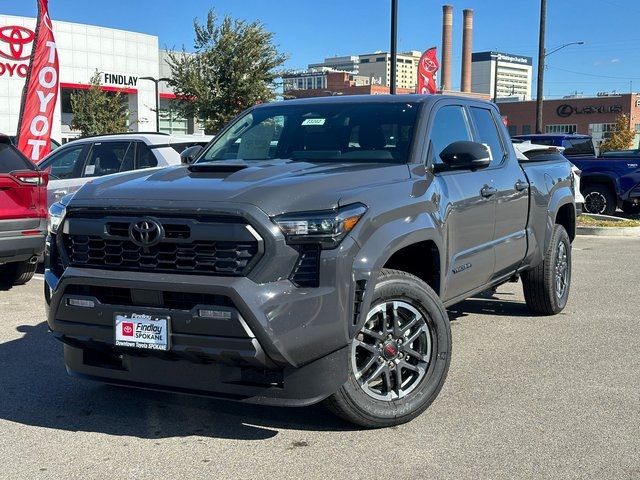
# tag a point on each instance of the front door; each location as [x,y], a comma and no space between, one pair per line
[467,208]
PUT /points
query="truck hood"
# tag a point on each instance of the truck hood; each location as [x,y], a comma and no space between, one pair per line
[276,186]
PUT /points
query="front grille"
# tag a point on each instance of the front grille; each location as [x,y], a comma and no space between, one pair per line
[306,273]
[188,246]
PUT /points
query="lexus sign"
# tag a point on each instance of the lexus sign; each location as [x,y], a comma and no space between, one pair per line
[15,49]
[565,110]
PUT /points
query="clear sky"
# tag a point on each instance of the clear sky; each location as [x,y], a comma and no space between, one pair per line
[309,31]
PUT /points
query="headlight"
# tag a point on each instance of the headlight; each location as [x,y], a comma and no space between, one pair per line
[56,215]
[326,227]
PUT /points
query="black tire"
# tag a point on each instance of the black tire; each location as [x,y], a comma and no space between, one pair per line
[353,403]
[540,284]
[599,199]
[631,208]
[17,273]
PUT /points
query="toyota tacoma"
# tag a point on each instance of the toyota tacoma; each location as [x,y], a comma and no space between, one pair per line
[308,254]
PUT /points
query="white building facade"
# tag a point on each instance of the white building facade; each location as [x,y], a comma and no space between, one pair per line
[502,75]
[122,58]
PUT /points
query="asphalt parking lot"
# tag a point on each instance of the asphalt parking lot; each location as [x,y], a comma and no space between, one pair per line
[526,397]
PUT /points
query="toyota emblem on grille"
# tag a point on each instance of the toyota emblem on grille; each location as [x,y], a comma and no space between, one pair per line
[146,232]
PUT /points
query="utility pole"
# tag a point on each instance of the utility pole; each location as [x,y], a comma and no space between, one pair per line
[157,92]
[541,55]
[394,45]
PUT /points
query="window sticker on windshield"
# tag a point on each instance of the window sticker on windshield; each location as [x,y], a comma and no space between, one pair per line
[90,170]
[313,121]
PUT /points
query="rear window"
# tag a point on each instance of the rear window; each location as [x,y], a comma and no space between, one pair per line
[11,159]
[578,146]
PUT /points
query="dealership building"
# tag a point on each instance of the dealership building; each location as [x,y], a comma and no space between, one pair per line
[594,116]
[122,58]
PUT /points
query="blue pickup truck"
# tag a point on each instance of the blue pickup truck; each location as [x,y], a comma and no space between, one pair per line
[607,181]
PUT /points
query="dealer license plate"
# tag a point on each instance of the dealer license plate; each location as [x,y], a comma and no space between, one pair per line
[140,330]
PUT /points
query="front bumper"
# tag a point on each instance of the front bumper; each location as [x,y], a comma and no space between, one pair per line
[280,345]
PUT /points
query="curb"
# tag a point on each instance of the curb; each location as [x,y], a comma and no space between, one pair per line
[608,231]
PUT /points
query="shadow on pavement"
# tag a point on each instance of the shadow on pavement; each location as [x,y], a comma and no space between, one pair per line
[489,305]
[35,390]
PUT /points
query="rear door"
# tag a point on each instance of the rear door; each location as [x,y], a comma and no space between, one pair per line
[512,192]
[467,207]
[21,192]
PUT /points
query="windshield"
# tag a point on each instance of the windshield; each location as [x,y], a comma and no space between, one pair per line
[332,132]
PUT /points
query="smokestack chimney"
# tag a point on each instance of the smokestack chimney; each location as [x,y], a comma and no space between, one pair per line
[447,41]
[467,40]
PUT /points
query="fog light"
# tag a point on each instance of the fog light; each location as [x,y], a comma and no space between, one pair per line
[77,302]
[215,314]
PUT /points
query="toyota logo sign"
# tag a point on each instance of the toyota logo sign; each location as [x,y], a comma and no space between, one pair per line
[146,232]
[13,42]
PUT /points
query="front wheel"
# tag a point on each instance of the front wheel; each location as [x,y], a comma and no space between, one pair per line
[400,358]
[546,287]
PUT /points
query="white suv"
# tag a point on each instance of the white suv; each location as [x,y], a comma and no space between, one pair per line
[77,162]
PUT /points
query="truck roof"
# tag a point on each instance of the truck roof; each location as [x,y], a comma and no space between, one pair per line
[399,98]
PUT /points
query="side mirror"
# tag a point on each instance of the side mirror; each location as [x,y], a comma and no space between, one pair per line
[188,155]
[465,155]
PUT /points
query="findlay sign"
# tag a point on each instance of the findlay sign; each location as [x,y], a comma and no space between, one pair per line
[15,49]
[565,110]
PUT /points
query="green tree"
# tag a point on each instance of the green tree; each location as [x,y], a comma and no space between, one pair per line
[96,112]
[234,66]
[622,138]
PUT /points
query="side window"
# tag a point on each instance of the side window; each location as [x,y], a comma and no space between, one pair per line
[106,158]
[489,134]
[146,158]
[66,163]
[449,125]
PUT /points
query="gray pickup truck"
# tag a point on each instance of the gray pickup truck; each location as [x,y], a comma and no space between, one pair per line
[309,254]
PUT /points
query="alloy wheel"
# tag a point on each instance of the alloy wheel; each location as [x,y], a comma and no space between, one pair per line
[391,354]
[595,202]
[561,270]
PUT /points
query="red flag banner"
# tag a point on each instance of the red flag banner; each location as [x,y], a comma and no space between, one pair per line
[427,69]
[40,91]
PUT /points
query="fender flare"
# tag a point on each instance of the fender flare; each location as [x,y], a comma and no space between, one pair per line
[382,244]
[560,197]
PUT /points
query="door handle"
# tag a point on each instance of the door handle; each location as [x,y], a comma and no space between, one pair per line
[520,185]
[488,191]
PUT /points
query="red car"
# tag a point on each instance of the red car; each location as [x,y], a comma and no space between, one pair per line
[23,215]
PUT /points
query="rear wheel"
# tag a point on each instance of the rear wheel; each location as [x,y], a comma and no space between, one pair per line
[631,208]
[17,273]
[400,358]
[599,199]
[546,287]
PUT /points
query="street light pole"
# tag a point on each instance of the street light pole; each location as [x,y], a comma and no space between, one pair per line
[394,45]
[157,81]
[541,55]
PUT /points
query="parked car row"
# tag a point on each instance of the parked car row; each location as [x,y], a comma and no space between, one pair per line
[80,161]
[608,181]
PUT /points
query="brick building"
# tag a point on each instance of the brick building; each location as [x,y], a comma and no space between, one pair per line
[594,116]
